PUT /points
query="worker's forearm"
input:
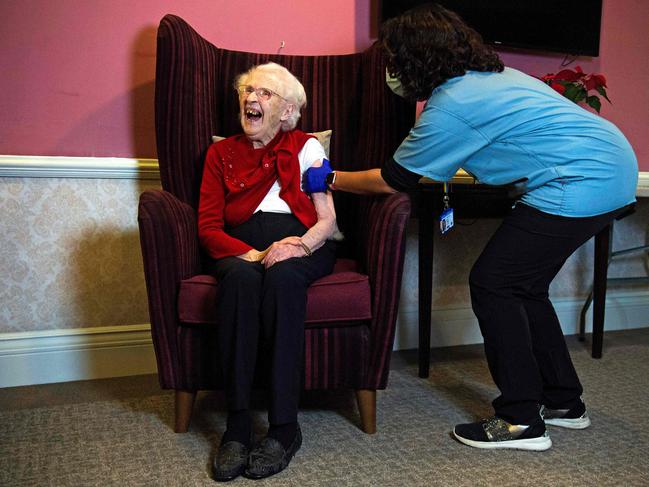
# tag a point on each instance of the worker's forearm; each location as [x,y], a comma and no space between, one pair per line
[362,182]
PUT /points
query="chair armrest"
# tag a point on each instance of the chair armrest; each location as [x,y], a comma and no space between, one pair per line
[385,246]
[170,253]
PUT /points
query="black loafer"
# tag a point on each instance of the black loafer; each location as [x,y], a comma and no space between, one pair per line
[230,461]
[270,457]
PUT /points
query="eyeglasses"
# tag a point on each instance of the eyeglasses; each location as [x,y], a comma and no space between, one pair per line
[263,94]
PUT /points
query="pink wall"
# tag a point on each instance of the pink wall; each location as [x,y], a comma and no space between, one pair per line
[77,75]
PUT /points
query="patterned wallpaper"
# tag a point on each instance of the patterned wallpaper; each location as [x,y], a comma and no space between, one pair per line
[70,255]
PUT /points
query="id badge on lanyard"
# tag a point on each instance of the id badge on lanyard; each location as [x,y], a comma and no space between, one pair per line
[446,221]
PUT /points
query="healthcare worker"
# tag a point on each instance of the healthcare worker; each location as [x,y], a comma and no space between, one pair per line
[576,172]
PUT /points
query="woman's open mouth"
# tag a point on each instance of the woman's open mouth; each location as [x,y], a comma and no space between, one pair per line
[253,114]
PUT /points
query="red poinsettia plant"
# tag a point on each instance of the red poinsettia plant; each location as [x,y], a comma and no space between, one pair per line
[577,86]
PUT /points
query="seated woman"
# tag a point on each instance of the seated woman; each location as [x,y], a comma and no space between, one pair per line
[268,242]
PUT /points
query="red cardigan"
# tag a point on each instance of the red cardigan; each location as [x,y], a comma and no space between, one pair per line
[237,177]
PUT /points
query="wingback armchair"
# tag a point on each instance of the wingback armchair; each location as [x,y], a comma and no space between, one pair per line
[351,314]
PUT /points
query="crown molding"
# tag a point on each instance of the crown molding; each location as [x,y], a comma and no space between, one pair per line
[121,168]
[78,167]
[643,185]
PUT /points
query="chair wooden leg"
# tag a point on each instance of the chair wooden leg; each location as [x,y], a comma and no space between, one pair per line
[184,406]
[366,400]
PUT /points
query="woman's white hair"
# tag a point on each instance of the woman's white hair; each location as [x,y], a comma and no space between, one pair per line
[292,89]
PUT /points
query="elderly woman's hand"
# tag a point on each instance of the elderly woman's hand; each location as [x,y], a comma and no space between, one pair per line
[283,249]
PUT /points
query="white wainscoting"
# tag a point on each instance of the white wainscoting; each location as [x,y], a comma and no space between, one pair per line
[61,355]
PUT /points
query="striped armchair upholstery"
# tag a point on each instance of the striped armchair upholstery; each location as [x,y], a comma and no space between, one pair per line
[195,100]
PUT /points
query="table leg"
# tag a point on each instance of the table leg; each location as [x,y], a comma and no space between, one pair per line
[426,229]
[602,243]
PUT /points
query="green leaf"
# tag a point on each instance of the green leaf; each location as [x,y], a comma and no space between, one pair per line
[602,91]
[594,102]
[574,92]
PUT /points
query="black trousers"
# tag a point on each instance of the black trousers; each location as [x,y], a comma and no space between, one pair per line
[262,314]
[524,345]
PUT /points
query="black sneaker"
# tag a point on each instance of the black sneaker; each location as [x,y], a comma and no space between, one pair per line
[498,433]
[575,418]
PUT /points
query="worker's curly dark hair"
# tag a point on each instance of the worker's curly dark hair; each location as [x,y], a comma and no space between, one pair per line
[429,44]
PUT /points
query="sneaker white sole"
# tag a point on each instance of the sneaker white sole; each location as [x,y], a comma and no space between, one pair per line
[573,424]
[541,443]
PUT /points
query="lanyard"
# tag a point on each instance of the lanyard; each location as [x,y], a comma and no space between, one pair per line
[446,198]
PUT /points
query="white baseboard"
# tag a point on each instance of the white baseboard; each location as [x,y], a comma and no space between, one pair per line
[29,358]
[43,357]
[459,326]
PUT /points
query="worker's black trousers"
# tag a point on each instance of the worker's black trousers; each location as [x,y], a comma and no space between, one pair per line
[524,345]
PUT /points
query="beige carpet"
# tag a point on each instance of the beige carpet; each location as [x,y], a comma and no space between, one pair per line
[126,440]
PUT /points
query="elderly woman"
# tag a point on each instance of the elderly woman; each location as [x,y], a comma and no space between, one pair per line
[269,242]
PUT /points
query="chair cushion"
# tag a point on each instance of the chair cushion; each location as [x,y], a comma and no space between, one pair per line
[342,296]
[339,297]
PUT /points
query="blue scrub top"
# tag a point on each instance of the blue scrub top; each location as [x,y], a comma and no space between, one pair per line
[506,127]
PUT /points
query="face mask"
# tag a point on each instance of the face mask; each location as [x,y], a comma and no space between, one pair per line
[394,84]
